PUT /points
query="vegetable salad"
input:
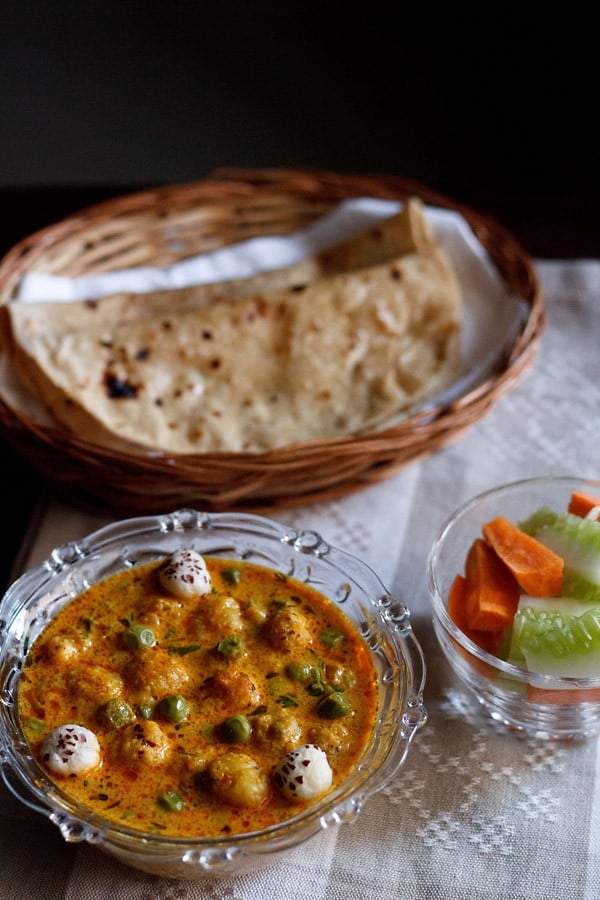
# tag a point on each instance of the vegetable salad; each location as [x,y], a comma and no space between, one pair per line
[530,592]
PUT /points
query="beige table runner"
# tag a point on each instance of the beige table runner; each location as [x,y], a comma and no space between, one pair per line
[477,811]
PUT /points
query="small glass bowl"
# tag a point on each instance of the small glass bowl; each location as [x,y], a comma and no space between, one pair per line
[545,706]
[384,622]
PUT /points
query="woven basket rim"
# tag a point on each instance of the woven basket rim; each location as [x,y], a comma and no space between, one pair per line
[273,471]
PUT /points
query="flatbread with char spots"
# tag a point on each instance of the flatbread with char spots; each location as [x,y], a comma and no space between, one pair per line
[252,372]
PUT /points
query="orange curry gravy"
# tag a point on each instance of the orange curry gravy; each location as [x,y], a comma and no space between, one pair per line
[296,647]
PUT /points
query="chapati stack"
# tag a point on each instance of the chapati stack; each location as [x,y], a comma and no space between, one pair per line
[337,344]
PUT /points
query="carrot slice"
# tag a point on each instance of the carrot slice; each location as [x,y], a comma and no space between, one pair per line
[538,570]
[487,640]
[456,601]
[581,503]
[492,592]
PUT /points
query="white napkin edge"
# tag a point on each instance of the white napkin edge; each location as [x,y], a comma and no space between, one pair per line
[248,257]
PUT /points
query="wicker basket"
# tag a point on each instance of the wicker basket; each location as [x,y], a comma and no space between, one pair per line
[162,226]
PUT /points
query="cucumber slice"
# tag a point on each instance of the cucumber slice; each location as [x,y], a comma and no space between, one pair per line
[557,636]
[505,644]
[543,516]
[580,589]
[575,539]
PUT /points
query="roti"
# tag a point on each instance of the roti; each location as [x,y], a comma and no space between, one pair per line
[253,370]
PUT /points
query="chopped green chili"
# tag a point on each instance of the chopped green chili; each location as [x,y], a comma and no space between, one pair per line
[184,650]
[35,724]
[286,700]
[145,709]
[231,647]
[172,801]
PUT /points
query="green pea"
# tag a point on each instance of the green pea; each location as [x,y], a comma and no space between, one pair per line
[137,637]
[231,647]
[334,705]
[172,801]
[235,730]
[331,637]
[231,576]
[115,713]
[300,671]
[173,708]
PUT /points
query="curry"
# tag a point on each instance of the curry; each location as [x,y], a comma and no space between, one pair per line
[197,697]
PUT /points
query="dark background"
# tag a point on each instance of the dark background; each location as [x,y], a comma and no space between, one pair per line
[99,99]
[102,98]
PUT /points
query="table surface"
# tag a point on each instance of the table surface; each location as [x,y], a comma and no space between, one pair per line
[478,810]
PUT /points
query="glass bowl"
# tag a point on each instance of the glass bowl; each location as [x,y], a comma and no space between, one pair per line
[546,706]
[383,621]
